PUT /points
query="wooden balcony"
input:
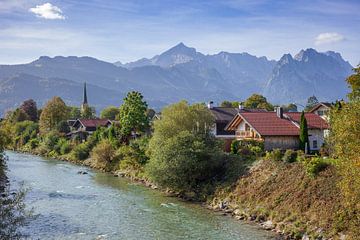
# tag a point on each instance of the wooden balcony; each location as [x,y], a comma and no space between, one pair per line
[245,134]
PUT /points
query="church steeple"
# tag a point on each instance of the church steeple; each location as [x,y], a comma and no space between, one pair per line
[84,105]
[85,95]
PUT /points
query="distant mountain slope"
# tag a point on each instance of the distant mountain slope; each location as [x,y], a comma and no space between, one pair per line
[178,73]
[308,73]
[14,90]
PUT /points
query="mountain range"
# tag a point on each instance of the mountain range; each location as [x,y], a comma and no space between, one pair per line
[178,73]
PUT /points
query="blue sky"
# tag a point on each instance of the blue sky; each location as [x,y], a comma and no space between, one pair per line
[116,30]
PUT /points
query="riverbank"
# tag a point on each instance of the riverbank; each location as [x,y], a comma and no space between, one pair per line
[98,205]
[279,197]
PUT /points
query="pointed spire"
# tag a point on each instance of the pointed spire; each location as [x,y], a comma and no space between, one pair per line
[85,95]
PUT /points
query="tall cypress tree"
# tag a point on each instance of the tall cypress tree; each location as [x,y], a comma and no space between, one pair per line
[304,135]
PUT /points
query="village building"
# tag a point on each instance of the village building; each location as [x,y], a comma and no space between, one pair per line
[222,116]
[322,109]
[278,129]
[82,128]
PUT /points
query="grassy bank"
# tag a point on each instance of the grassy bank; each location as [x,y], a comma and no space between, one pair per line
[285,198]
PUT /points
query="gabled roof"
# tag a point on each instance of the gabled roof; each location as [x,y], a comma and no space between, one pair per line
[93,122]
[320,104]
[226,114]
[314,121]
[269,124]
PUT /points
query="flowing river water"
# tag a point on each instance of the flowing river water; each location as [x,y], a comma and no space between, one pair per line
[98,205]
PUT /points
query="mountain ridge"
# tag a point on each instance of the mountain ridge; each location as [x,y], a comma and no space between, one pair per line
[182,72]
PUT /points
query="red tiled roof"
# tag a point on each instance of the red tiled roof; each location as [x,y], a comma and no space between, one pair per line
[313,120]
[94,122]
[226,114]
[269,124]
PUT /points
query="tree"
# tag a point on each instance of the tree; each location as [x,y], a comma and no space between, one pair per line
[345,132]
[184,155]
[30,108]
[311,102]
[257,101]
[354,83]
[290,107]
[63,127]
[132,116]
[110,112]
[52,114]
[88,113]
[74,112]
[17,116]
[304,135]
[229,104]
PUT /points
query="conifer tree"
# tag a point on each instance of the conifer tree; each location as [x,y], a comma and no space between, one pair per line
[304,135]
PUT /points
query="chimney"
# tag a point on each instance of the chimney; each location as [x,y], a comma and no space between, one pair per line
[279,112]
[210,104]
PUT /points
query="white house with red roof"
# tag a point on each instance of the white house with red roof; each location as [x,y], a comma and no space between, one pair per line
[278,129]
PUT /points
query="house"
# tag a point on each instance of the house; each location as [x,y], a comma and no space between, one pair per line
[85,127]
[322,109]
[278,129]
[223,115]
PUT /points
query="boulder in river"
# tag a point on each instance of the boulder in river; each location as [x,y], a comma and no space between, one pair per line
[82,172]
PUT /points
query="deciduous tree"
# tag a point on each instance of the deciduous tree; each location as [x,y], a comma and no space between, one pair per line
[110,112]
[30,108]
[132,116]
[52,114]
[258,101]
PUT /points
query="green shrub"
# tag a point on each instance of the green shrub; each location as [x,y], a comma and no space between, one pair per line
[275,155]
[315,165]
[65,148]
[33,143]
[257,150]
[289,156]
[300,156]
[80,152]
[103,154]
[133,157]
[50,140]
[234,147]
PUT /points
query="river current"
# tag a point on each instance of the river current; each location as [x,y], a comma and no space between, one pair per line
[68,205]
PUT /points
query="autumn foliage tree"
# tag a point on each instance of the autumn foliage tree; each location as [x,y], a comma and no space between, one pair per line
[52,114]
[29,107]
[345,132]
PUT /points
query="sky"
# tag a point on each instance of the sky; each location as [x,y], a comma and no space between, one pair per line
[124,30]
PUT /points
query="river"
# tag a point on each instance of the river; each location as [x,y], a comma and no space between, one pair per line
[100,206]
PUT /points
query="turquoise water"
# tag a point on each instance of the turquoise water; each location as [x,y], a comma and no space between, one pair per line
[100,206]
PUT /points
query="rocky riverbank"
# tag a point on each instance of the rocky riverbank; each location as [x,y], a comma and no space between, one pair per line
[278,197]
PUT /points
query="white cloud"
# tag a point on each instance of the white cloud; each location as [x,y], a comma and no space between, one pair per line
[328,37]
[47,11]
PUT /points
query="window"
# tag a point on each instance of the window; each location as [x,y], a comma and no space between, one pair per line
[320,113]
[315,144]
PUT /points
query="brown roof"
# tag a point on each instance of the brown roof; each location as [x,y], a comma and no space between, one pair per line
[226,114]
[94,122]
[269,124]
[324,104]
[314,121]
